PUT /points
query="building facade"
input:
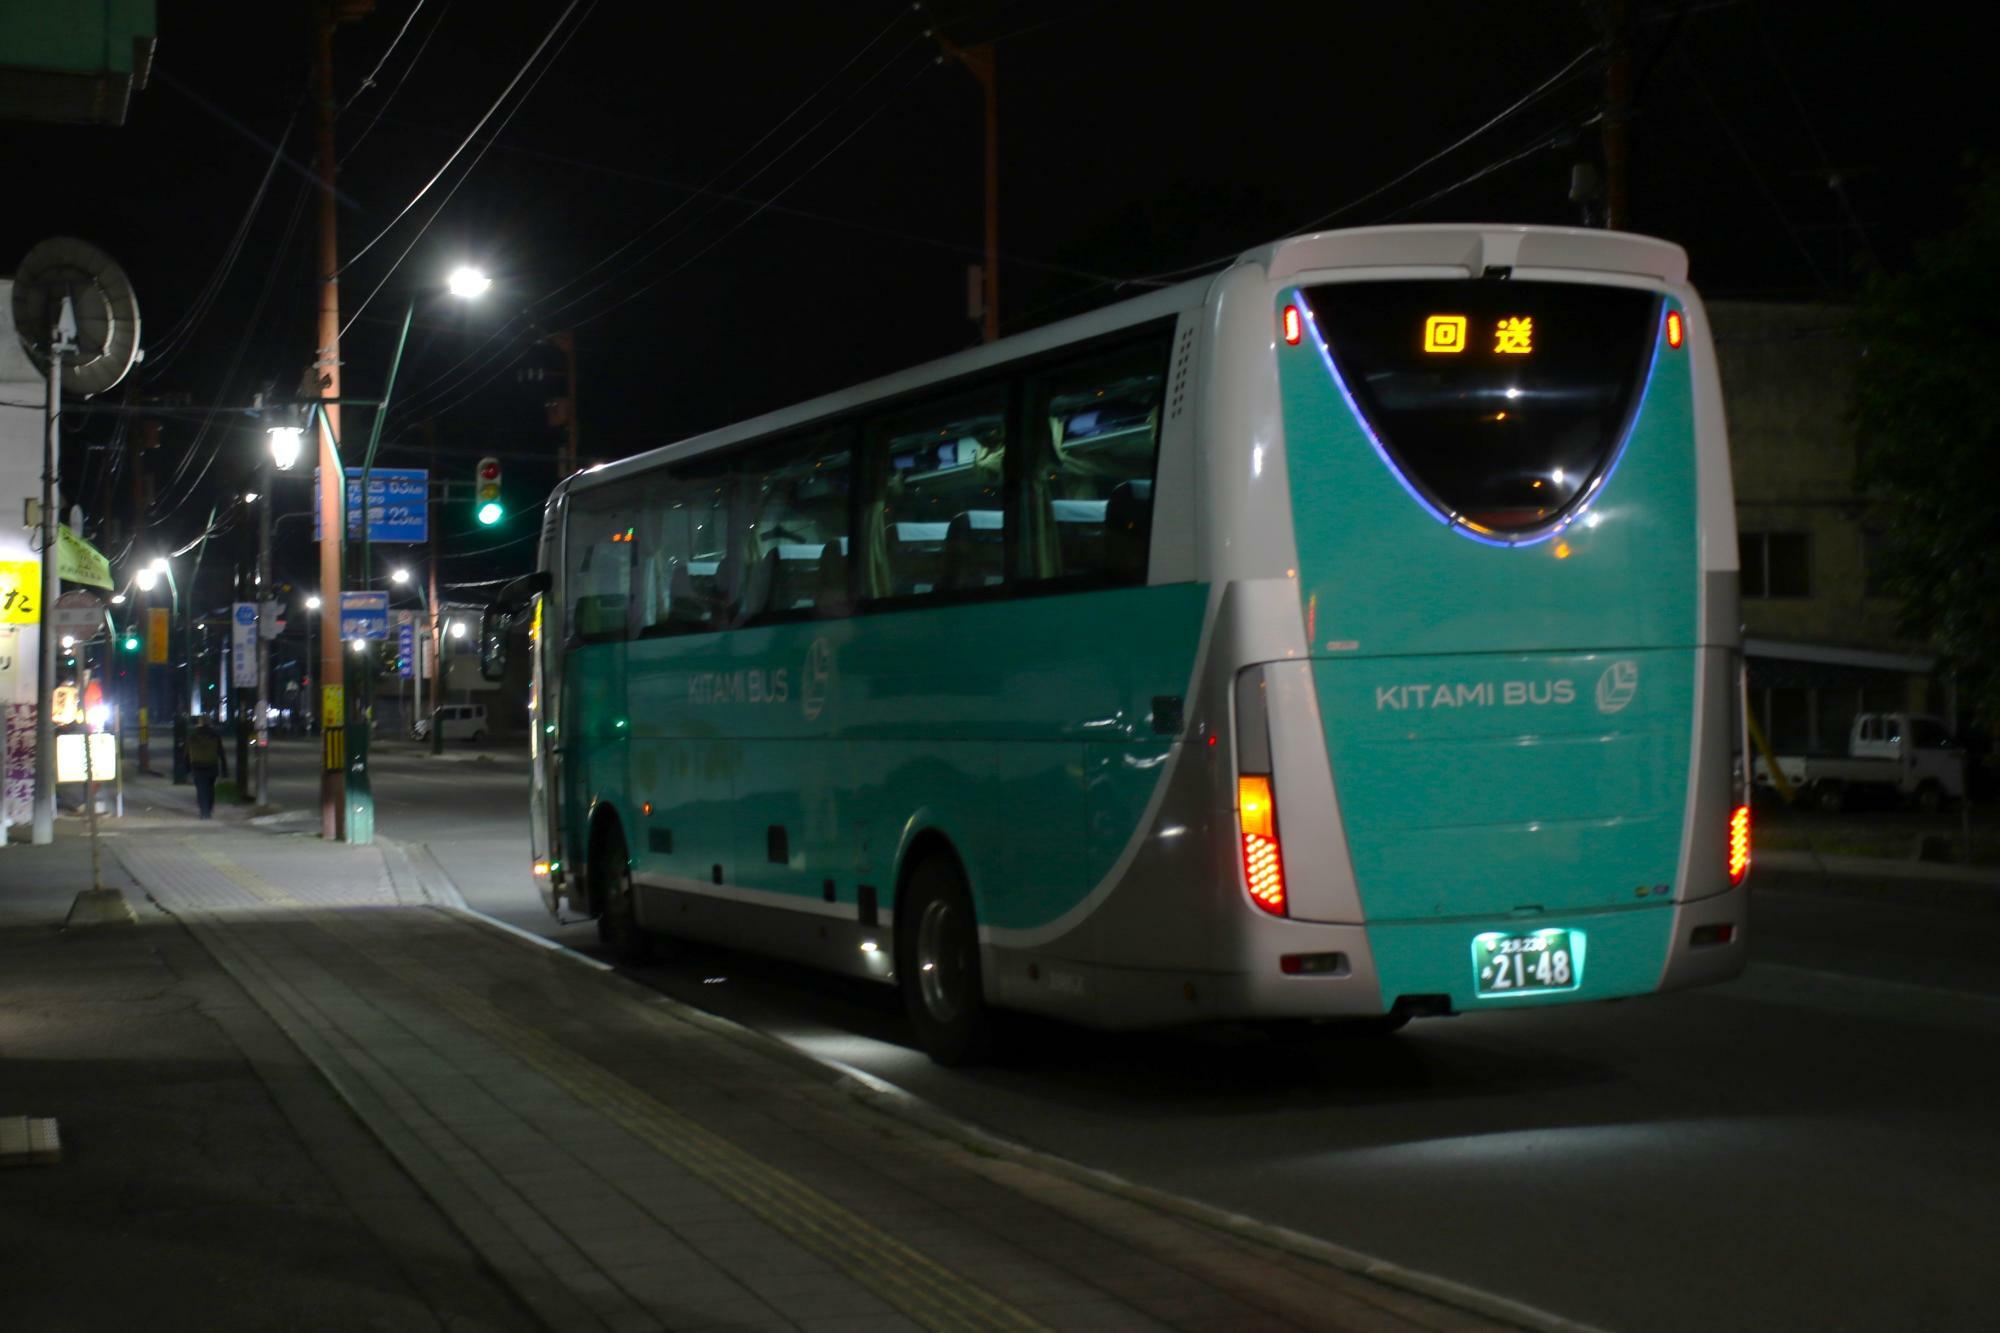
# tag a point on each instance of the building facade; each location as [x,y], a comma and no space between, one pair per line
[1822,637]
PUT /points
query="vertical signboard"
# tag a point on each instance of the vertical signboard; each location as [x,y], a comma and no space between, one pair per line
[156,635]
[406,650]
[243,646]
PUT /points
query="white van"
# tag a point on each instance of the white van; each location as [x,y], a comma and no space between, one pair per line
[461,722]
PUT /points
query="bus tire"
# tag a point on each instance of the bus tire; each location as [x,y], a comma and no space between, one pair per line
[618,927]
[937,964]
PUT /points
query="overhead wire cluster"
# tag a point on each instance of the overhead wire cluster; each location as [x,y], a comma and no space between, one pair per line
[834,100]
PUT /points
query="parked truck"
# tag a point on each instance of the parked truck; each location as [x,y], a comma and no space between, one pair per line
[1909,755]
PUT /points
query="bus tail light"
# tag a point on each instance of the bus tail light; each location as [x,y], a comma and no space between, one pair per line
[1293,327]
[1263,860]
[1739,844]
[1675,334]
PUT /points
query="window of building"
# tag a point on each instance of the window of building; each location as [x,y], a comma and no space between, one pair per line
[1092,435]
[934,517]
[1776,564]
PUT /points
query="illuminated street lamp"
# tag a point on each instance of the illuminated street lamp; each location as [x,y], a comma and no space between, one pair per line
[399,577]
[286,444]
[467,282]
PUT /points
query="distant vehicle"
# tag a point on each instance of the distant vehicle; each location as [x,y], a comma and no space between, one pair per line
[1348,635]
[460,722]
[1904,754]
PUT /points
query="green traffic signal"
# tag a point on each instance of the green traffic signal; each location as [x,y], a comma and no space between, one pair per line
[131,644]
[489,513]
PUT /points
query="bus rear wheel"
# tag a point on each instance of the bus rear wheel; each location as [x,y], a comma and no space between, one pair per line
[937,965]
[618,925]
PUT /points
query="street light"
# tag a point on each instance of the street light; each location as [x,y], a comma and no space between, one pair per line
[147,578]
[399,577]
[286,444]
[345,795]
[458,629]
[467,282]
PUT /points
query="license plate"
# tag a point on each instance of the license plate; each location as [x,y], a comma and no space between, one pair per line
[1530,964]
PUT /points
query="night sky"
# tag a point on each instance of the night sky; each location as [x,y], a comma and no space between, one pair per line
[1135,139]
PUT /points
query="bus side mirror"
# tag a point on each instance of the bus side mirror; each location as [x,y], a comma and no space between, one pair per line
[493,623]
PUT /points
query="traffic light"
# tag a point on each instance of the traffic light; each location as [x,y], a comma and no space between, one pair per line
[486,492]
[130,643]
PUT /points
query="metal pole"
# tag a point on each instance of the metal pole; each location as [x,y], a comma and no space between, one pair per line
[44,831]
[333,479]
[265,606]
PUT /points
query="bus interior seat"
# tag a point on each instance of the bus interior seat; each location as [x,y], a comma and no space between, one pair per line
[757,590]
[832,598]
[975,551]
[1128,528]
[601,615]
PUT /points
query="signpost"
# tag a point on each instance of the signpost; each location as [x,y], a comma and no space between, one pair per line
[398,504]
[364,615]
[243,646]
[77,615]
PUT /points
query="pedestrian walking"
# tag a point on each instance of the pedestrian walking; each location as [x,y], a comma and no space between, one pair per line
[205,763]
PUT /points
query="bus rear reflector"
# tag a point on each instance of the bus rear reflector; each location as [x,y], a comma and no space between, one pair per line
[1263,865]
[1739,844]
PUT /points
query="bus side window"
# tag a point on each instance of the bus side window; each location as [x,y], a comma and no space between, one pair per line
[934,514]
[684,581]
[598,561]
[1093,437]
[795,496]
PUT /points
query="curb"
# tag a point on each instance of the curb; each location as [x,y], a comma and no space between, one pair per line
[884,1097]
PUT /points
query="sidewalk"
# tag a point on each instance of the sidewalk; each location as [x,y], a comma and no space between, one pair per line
[463,1128]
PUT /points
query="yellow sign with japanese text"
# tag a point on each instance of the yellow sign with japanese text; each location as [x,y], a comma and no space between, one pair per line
[20,592]
[156,635]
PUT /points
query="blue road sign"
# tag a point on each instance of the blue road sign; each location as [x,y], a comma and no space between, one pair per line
[364,615]
[406,650]
[398,504]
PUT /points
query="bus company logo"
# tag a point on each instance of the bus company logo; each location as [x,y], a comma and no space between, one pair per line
[752,685]
[1484,694]
[1617,685]
[816,682]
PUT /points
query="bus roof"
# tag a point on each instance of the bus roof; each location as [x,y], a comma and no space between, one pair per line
[1465,249]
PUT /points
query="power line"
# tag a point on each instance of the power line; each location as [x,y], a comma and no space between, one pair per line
[520,73]
[1763,186]
[369,81]
[432,388]
[408,70]
[464,176]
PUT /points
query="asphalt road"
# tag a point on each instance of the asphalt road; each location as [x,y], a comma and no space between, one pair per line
[1812,1146]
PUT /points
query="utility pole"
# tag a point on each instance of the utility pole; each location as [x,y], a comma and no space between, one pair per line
[332,478]
[62,342]
[437,621]
[267,614]
[1614,19]
[978,61]
[149,433]
[562,411]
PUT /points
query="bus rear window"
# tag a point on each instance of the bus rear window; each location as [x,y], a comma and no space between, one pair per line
[1502,402]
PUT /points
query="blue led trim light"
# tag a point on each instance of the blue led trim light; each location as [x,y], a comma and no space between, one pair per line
[1458,522]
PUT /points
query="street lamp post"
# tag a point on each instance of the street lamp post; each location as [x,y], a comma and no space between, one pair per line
[312,641]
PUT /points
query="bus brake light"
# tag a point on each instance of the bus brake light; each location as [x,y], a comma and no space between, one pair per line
[1739,844]
[1292,330]
[1263,864]
[1674,331]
